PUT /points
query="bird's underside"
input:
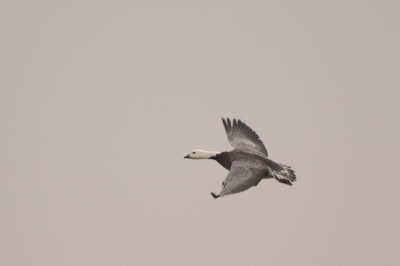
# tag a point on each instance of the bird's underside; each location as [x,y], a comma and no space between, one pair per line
[248,170]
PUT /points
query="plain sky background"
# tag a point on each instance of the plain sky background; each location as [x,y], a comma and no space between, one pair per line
[100,101]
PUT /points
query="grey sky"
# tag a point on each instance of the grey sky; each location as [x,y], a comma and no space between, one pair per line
[100,101]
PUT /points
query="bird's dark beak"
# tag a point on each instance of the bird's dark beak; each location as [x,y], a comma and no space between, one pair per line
[186,157]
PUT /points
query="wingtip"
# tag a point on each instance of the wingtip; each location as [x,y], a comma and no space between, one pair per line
[214,195]
[227,124]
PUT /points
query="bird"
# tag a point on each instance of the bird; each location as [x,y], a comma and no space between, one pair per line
[248,162]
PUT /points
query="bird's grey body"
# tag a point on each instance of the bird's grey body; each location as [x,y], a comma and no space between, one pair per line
[248,163]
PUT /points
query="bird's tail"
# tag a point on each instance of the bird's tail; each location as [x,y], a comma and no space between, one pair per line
[286,176]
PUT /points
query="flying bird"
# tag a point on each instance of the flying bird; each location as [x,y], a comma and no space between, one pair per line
[247,163]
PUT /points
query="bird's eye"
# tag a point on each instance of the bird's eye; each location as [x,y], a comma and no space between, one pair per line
[193,152]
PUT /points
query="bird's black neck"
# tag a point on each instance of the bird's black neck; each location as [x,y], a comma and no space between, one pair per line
[223,159]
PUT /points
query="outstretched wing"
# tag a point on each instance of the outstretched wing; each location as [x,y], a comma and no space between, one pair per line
[241,177]
[241,136]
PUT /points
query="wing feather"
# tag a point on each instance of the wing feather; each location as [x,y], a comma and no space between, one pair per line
[241,136]
[241,177]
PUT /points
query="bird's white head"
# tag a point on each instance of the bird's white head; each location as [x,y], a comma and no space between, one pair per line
[201,154]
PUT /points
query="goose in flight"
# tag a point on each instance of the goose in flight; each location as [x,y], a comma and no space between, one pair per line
[247,163]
